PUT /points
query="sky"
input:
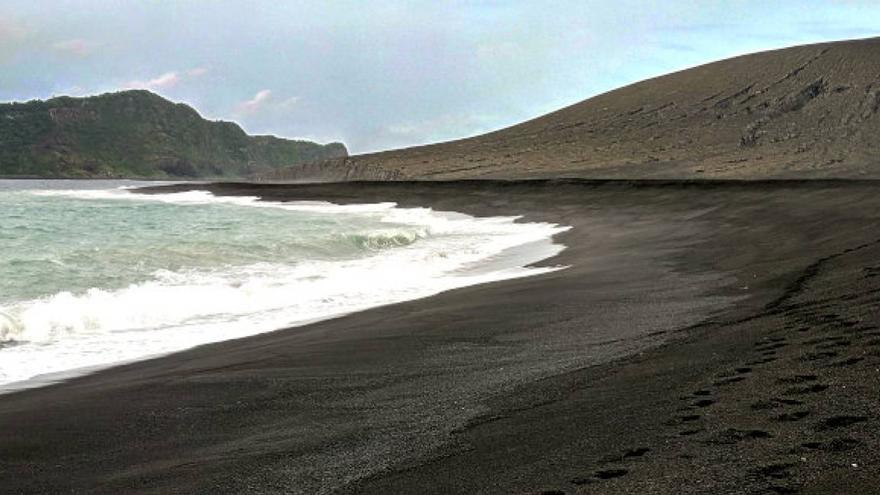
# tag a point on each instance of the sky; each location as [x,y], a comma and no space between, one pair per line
[385,74]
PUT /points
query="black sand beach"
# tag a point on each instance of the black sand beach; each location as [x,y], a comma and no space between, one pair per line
[707,337]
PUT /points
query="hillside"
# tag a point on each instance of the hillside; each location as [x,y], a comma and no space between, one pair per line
[805,112]
[136,134]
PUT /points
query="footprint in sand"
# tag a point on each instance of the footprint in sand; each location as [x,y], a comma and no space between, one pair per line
[687,433]
[605,474]
[636,452]
[846,362]
[791,417]
[728,381]
[812,389]
[733,435]
[796,379]
[842,421]
[776,471]
[818,356]
[765,360]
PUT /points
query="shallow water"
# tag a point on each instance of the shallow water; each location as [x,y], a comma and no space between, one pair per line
[92,274]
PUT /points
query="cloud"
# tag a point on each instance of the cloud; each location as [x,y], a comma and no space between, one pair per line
[165,81]
[255,103]
[77,47]
[265,102]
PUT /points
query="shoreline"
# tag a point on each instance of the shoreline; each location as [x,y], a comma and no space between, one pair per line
[554,382]
[508,260]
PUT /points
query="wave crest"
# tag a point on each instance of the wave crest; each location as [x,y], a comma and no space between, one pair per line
[10,328]
[381,255]
[385,239]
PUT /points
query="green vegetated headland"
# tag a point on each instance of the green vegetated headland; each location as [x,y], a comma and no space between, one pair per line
[137,134]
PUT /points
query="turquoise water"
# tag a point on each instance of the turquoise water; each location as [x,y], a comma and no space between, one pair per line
[92,274]
[56,239]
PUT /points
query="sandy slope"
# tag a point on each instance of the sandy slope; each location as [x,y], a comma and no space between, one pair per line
[804,112]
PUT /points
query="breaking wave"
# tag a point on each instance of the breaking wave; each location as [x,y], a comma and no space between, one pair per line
[405,254]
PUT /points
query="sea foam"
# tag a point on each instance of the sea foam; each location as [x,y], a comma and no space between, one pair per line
[420,252]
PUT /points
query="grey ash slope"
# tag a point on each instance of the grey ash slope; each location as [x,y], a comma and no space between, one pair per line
[137,134]
[803,112]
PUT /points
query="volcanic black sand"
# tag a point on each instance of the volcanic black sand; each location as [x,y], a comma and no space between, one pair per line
[707,337]
[809,111]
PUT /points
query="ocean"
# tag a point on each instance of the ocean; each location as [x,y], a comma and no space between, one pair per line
[93,274]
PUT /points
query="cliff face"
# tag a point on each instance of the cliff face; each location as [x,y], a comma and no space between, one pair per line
[137,134]
[804,112]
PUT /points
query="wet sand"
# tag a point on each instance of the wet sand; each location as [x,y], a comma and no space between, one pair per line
[707,337]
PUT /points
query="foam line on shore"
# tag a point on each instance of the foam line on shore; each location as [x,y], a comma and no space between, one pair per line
[69,333]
